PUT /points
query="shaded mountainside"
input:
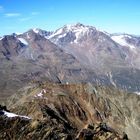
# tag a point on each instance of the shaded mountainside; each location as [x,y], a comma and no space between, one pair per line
[81,111]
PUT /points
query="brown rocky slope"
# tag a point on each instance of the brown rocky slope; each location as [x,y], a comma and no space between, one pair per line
[78,111]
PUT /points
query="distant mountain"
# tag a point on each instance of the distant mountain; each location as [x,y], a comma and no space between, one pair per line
[72,54]
[114,55]
[30,58]
[86,42]
[126,40]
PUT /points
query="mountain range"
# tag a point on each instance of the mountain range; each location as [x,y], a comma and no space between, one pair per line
[71,54]
[75,83]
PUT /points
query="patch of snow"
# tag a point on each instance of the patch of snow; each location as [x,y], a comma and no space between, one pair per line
[36,30]
[41,93]
[79,31]
[138,93]
[11,115]
[25,117]
[61,36]
[22,40]
[18,33]
[57,32]
[77,34]
[32,57]
[128,36]
[111,79]
[43,90]
[1,38]
[28,36]
[101,39]
[120,39]
[8,114]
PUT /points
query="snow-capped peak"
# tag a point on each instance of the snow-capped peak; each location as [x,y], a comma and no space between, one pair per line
[78,30]
[77,27]
[121,39]
[74,26]
[40,32]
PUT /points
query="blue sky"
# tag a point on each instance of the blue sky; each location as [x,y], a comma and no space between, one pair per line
[109,15]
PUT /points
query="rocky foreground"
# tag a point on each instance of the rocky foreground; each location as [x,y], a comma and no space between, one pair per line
[69,112]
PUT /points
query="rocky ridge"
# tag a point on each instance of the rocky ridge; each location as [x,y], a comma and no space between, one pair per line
[81,111]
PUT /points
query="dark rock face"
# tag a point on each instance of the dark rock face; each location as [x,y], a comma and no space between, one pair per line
[47,130]
[1,113]
[3,108]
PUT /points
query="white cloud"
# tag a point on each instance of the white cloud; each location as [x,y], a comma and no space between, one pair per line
[34,13]
[25,19]
[12,14]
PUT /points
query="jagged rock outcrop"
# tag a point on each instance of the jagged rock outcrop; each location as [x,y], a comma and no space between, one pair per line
[46,130]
